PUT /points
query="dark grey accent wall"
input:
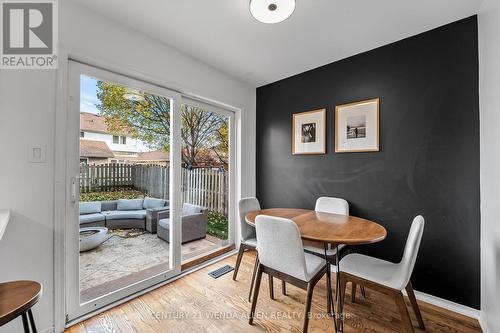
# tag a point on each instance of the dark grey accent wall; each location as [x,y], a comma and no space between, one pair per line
[429,158]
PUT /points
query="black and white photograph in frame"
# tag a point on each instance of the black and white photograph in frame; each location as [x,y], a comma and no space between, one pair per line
[357,127]
[309,132]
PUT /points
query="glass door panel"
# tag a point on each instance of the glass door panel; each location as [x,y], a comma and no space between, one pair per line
[206,138]
[123,195]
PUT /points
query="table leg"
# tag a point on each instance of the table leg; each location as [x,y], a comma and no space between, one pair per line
[329,296]
[32,321]
[25,323]
[338,293]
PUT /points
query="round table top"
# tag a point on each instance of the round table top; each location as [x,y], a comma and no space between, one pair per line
[17,297]
[327,227]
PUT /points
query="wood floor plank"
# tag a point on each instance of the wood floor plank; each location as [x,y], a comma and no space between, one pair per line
[199,303]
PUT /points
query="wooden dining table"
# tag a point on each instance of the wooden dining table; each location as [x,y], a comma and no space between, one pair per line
[328,228]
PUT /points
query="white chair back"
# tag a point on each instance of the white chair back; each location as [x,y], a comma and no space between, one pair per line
[332,205]
[280,246]
[411,250]
[245,206]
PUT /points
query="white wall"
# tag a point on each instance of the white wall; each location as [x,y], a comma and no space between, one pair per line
[27,116]
[132,145]
[27,113]
[489,93]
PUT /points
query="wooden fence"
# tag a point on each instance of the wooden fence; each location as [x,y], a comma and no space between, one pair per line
[106,177]
[206,187]
[152,179]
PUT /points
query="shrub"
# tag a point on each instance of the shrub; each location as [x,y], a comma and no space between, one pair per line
[112,195]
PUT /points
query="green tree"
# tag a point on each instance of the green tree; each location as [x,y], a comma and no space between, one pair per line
[221,148]
[147,117]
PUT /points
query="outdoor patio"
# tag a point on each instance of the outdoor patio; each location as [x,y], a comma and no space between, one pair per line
[135,250]
[129,256]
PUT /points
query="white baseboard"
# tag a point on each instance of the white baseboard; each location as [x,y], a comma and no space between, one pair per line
[448,305]
[484,325]
[445,304]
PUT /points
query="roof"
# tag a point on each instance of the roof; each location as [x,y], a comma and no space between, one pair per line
[156,155]
[92,148]
[92,122]
[95,123]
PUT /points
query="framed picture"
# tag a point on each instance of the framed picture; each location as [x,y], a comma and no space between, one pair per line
[357,127]
[309,132]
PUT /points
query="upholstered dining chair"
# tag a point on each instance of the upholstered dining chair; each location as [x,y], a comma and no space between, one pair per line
[334,206]
[281,255]
[327,205]
[247,235]
[387,277]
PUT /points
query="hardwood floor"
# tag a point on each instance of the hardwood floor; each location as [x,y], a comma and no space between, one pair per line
[199,303]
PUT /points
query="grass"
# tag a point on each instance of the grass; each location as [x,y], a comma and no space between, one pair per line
[217,223]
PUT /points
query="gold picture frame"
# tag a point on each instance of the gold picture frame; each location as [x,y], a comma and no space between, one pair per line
[309,132]
[357,127]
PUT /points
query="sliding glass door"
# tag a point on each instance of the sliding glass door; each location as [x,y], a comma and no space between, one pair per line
[123,231]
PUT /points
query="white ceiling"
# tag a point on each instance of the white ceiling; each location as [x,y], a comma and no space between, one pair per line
[223,34]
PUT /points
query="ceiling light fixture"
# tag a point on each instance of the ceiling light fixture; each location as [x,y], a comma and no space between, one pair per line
[133,95]
[271,11]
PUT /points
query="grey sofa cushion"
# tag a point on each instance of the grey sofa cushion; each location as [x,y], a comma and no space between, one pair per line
[193,227]
[189,209]
[125,214]
[90,207]
[88,218]
[165,223]
[129,204]
[153,203]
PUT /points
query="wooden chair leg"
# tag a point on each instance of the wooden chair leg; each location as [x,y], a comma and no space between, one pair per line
[363,291]
[310,289]
[25,323]
[32,321]
[253,277]
[258,279]
[283,288]
[238,261]
[414,305]
[405,316]
[353,292]
[271,287]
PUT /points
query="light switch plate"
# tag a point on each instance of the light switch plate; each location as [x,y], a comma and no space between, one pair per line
[37,153]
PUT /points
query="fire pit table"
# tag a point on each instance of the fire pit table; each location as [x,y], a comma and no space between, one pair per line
[92,237]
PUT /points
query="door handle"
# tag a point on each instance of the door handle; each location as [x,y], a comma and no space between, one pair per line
[74,194]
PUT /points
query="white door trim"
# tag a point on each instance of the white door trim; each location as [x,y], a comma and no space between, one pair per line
[60,192]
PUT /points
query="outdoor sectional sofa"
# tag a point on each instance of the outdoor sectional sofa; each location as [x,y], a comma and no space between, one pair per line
[194,223]
[123,213]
